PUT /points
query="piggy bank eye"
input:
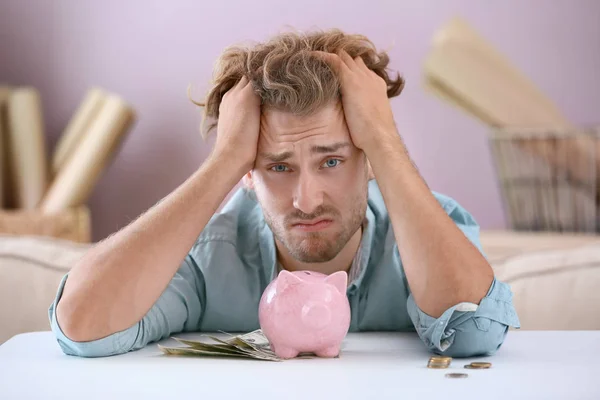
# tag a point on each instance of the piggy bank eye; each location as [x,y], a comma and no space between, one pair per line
[307,273]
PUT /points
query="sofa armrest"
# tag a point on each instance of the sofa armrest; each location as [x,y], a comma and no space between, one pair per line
[554,277]
[500,245]
[31,268]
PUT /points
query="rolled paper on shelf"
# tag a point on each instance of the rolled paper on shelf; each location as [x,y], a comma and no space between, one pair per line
[465,65]
[77,127]
[540,111]
[76,179]
[27,148]
[463,69]
[4,93]
[437,88]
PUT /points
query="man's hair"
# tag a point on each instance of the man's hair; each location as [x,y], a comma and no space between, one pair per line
[286,76]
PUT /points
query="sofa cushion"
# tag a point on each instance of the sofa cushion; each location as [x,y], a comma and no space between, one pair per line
[31,268]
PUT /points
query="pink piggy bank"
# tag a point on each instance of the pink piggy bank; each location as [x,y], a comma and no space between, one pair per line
[305,312]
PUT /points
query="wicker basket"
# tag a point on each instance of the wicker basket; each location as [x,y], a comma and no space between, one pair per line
[73,224]
[549,179]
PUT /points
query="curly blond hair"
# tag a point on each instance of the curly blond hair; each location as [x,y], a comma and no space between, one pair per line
[287,76]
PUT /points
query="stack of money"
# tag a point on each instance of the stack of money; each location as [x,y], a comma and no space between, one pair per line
[250,345]
[439,362]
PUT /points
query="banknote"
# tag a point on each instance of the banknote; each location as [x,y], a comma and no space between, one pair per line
[250,345]
[182,351]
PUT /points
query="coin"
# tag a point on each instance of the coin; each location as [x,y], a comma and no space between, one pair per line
[481,364]
[437,366]
[439,362]
[478,365]
[456,375]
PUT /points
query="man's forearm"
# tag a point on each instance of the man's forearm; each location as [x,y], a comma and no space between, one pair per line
[117,281]
[442,266]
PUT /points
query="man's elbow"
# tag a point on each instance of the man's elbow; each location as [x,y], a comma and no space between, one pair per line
[75,338]
[77,349]
[478,340]
[105,347]
[72,325]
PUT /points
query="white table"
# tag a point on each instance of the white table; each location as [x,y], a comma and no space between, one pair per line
[530,365]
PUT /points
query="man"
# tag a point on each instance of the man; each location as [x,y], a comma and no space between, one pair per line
[305,120]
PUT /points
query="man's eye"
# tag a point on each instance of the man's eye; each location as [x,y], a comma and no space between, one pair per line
[332,162]
[279,168]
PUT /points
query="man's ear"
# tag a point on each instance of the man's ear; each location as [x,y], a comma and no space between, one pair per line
[370,171]
[248,181]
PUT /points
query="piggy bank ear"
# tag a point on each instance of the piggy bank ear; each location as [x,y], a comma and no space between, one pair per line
[286,279]
[339,280]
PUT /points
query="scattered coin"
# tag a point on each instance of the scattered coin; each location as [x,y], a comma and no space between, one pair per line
[441,358]
[437,366]
[456,375]
[439,362]
[479,365]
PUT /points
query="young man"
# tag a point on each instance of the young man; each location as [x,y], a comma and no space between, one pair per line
[306,121]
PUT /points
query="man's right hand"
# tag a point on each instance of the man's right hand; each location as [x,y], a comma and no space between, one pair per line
[117,282]
[239,125]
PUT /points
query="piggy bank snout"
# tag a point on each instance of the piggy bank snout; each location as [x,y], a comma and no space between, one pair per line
[315,315]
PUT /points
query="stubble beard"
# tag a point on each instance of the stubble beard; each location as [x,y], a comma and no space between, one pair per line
[318,247]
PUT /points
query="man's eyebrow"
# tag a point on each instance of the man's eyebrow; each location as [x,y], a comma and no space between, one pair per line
[332,148]
[280,157]
[277,157]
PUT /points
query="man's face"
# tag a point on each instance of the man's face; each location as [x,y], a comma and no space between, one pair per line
[311,182]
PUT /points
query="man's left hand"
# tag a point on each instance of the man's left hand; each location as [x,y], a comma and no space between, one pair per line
[364,99]
[442,266]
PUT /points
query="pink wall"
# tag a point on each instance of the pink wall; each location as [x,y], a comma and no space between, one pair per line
[148,51]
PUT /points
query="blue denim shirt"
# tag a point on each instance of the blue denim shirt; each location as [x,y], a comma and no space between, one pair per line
[219,284]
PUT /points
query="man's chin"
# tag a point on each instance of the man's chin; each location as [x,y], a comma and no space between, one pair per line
[312,258]
[313,252]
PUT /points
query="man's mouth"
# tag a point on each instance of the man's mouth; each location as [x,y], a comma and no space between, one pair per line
[312,226]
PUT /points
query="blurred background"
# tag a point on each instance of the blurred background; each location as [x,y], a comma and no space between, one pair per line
[62,60]
[148,52]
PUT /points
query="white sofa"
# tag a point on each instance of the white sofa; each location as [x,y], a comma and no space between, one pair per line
[555,278]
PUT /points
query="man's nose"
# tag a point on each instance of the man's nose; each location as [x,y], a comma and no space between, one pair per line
[309,194]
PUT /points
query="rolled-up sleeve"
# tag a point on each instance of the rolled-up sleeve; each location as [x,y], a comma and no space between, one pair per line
[178,309]
[467,329]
